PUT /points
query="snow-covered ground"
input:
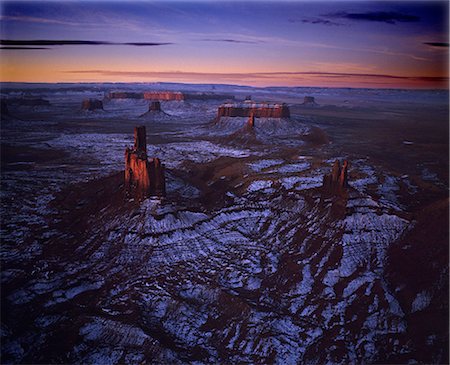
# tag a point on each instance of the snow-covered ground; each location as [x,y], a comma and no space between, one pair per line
[276,273]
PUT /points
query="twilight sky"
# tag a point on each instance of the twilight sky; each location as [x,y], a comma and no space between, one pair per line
[292,43]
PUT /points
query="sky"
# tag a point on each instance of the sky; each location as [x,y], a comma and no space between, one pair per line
[386,44]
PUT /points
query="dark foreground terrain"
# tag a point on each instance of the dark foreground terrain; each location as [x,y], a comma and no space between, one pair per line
[246,260]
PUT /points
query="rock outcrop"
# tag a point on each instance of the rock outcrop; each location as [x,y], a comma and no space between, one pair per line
[143,177]
[251,121]
[309,100]
[258,110]
[92,104]
[147,95]
[337,181]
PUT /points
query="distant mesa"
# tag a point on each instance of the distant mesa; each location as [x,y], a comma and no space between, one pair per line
[143,177]
[167,95]
[92,104]
[336,182]
[155,106]
[309,100]
[257,110]
[147,95]
[155,112]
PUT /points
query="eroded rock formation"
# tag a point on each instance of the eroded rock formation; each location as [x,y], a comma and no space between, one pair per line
[251,121]
[29,101]
[143,177]
[147,95]
[155,106]
[337,181]
[92,104]
[258,110]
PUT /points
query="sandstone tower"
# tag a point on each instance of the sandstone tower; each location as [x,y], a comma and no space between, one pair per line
[336,182]
[143,177]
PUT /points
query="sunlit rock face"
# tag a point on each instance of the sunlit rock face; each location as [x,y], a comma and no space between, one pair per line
[337,181]
[143,177]
[92,104]
[147,95]
[258,110]
[163,95]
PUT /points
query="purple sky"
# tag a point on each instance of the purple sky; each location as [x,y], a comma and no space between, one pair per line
[320,43]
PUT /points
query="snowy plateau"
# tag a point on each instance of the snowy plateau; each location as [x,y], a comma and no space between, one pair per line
[245,260]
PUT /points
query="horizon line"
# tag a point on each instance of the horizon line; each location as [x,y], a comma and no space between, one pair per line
[445,88]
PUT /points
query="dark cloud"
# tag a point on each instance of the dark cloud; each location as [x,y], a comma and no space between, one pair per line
[436,44]
[315,21]
[24,48]
[389,17]
[229,41]
[47,42]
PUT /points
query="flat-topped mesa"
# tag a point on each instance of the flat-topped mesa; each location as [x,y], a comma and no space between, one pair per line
[258,110]
[147,95]
[163,95]
[92,104]
[337,181]
[309,100]
[154,106]
[143,177]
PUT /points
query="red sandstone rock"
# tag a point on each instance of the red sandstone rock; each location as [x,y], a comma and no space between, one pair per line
[251,121]
[163,95]
[143,177]
[336,182]
[91,104]
[147,95]
[258,110]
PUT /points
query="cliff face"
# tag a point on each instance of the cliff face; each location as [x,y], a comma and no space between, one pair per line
[257,110]
[147,95]
[251,121]
[337,181]
[143,177]
[91,104]
[163,95]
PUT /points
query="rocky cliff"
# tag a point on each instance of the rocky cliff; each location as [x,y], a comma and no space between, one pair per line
[337,181]
[262,110]
[147,95]
[92,104]
[155,106]
[143,177]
